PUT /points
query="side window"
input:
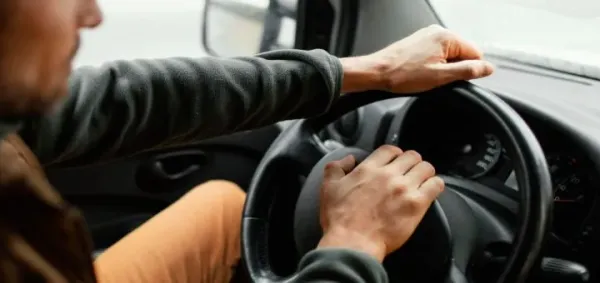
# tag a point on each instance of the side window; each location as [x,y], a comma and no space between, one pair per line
[146,29]
[246,27]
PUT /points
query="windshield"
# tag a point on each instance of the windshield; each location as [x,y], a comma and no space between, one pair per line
[557,34]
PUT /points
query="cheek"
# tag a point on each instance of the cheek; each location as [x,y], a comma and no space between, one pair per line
[36,46]
[58,29]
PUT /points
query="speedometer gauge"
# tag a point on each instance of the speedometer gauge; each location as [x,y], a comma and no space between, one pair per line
[573,195]
[477,156]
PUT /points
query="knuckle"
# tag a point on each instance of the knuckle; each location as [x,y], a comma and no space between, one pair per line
[438,182]
[390,149]
[471,71]
[400,187]
[429,168]
[332,165]
[362,170]
[384,177]
[444,37]
[435,27]
[350,159]
[414,155]
[414,203]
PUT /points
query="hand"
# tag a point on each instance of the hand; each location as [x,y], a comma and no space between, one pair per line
[429,58]
[376,207]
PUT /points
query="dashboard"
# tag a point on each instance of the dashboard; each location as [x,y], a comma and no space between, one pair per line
[469,145]
[462,141]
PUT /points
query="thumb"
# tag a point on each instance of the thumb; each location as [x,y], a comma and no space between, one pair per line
[465,70]
[337,169]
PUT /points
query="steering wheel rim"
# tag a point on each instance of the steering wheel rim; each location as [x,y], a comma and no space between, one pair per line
[533,179]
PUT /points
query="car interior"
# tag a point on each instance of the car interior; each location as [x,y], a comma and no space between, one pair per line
[519,151]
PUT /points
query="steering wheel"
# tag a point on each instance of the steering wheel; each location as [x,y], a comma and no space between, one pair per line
[445,242]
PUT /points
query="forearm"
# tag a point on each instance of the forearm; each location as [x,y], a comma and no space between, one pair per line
[126,107]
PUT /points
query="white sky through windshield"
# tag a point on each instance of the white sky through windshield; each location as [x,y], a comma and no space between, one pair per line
[568,31]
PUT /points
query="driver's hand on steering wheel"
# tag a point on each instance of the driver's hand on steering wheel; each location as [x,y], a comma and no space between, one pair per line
[376,206]
[429,58]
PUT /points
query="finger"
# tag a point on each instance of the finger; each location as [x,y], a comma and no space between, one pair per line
[403,163]
[464,70]
[420,173]
[432,188]
[382,156]
[460,49]
[335,170]
[348,163]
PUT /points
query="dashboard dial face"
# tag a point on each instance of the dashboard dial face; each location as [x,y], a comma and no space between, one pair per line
[573,195]
[477,156]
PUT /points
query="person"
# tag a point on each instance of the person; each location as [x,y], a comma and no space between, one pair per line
[51,116]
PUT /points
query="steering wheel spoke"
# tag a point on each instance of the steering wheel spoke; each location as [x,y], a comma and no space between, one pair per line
[455,275]
[475,227]
[463,227]
[298,144]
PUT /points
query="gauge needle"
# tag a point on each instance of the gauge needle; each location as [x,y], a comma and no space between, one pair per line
[569,200]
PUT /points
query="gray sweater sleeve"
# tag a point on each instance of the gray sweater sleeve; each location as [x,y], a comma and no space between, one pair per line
[126,107]
[340,265]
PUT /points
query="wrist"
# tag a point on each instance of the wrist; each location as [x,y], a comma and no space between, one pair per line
[348,239]
[363,73]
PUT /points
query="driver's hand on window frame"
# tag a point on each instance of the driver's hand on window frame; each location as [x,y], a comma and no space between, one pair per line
[429,58]
[376,206]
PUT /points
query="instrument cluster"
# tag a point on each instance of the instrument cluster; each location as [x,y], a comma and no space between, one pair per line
[467,144]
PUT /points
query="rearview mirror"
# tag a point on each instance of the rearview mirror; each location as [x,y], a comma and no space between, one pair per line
[246,27]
